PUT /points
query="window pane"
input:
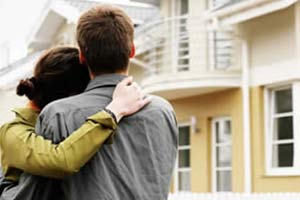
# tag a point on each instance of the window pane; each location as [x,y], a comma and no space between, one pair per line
[284,101]
[184,158]
[223,133]
[184,135]
[283,128]
[283,155]
[184,181]
[217,127]
[227,128]
[224,156]
[223,181]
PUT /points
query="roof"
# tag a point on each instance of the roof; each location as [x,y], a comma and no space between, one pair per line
[57,12]
[237,11]
[137,11]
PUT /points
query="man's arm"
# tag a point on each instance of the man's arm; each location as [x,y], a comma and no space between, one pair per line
[40,156]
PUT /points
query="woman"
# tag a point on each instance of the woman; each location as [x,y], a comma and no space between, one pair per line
[23,150]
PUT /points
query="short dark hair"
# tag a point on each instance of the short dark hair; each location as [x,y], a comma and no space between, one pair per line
[57,74]
[105,37]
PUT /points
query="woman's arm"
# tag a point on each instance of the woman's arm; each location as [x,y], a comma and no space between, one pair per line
[23,149]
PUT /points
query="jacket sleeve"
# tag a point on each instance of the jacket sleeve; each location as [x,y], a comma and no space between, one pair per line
[25,150]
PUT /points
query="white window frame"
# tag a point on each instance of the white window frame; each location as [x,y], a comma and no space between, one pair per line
[269,106]
[213,150]
[185,169]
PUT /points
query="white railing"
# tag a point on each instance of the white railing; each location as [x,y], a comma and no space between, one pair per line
[183,43]
[220,3]
[235,196]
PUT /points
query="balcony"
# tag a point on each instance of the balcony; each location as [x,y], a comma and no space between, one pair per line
[230,12]
[181,58]
[224,3]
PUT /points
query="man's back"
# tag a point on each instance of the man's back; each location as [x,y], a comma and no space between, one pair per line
[138,165]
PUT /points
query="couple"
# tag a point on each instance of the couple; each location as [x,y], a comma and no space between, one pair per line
[130,160]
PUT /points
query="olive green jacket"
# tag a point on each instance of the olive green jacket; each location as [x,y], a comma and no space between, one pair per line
[23,150]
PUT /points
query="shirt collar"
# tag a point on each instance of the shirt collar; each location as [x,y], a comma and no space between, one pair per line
[27,114]
[105,80]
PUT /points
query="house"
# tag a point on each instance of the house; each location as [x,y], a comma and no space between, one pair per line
[231,69]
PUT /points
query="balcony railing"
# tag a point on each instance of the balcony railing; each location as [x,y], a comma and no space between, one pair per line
[183,45]
[180,54]
[225,3]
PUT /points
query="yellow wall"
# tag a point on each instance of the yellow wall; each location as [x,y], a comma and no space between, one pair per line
[226,103]
[261,182]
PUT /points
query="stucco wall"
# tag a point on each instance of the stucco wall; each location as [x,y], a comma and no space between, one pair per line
[204,108]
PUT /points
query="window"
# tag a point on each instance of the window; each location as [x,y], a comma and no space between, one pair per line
[182,168]
[221,154]
[181,33]
[281,130]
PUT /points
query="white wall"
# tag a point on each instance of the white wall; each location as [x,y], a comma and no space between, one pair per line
[8,101]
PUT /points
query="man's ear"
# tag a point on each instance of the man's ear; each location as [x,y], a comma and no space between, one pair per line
[132,52]
[82,58]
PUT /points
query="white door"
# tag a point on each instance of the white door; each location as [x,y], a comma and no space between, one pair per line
[221,154]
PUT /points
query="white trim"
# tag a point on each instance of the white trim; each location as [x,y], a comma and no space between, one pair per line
[296,125]
[212,13]
[269,120]
[287,70]
[185,147]
[261,10]
[223,168]
[196,79]
[283,115]
[246,10]
[184,169]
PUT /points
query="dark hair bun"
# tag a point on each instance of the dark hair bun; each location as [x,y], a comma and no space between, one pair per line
[26,87]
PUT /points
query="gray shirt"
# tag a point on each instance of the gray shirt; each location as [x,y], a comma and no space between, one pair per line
[139,163]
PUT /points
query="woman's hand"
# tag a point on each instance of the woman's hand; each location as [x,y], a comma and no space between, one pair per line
[128,98]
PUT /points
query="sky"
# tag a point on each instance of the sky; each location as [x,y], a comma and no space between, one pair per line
[17,17]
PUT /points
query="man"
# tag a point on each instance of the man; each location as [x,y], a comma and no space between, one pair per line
[139,163]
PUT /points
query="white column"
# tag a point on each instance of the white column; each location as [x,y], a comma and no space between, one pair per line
[246,117]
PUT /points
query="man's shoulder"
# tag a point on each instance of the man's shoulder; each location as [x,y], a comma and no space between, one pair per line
[157,106]
[160,103]
[63,106]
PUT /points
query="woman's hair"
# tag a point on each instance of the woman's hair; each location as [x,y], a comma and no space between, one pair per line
[57,74]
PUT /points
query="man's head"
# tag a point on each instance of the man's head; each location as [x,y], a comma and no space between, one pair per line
[105,38]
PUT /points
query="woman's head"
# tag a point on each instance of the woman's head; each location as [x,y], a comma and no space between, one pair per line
[57,74]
